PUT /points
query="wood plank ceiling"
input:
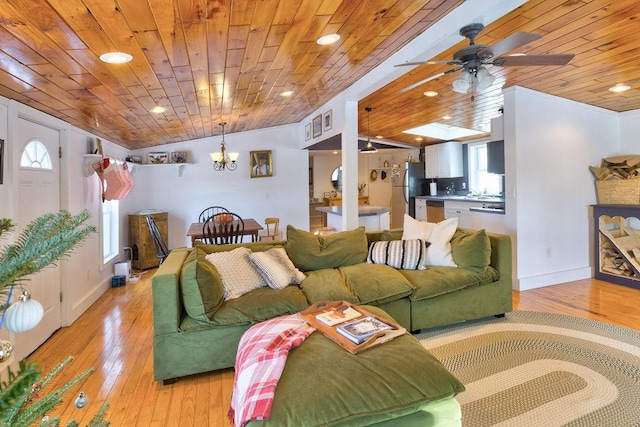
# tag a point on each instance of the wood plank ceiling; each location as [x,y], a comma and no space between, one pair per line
[207,61]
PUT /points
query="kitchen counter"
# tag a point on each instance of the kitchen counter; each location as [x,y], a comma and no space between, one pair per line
[363,210]
[372,218]
[446,197]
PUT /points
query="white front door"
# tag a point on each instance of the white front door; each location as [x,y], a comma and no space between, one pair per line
[38,193]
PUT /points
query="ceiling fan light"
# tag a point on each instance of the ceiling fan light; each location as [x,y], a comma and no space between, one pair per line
[460,85]
[485,79]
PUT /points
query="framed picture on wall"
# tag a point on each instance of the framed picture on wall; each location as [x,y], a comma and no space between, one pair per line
[327,120]
[261,164]
[317,126]
[158,158]
[179,157]
[307,132]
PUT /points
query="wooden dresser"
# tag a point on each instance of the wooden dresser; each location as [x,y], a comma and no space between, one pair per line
[143,248]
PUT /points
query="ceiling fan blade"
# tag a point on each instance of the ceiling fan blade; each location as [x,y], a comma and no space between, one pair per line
[560,59]
[423,62]
[421,82]
[509,43]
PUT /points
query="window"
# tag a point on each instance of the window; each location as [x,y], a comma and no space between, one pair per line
[35,156]
[481,181]
[110,230]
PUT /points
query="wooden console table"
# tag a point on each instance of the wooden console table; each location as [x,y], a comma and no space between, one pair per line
[616,231]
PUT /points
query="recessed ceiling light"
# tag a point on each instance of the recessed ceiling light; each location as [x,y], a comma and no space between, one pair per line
[446,117]
[157,109]
[619,88]
[286,93]
[419,139]
[115,57]
[328,39]
[518,54]
[379,136]
[430,93]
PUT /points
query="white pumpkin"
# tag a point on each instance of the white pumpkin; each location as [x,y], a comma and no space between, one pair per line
[24,314]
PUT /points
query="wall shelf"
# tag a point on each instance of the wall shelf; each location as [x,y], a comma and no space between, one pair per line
[178,166]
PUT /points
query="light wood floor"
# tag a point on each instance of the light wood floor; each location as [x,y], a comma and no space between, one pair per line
[115,337]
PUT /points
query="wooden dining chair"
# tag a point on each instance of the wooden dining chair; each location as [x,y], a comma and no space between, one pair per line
[272,224]
[223,229]
[211,211]
[162,251]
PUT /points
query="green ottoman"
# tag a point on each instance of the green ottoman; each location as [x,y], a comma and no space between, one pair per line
[397,383]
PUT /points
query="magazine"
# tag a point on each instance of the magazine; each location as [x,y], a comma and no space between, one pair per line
[335,315]
[360,330]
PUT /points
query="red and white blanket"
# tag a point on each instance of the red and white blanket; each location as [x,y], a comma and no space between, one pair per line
[261,357]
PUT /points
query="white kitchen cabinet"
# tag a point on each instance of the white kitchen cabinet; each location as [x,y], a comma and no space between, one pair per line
[497,128]
[461,210]
[421,209]
[492,222]
[443,160]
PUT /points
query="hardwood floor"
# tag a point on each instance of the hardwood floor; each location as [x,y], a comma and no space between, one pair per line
[115,337]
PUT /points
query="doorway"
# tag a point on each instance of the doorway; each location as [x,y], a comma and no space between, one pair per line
[38,165]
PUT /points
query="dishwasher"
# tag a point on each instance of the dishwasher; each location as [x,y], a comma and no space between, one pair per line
[435,210]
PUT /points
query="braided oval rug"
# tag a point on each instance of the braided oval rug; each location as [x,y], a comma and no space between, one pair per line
[542,369]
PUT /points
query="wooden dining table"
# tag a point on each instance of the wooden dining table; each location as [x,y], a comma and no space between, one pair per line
[251,228]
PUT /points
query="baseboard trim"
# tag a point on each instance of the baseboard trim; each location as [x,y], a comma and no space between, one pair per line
[81,306]
[534,282]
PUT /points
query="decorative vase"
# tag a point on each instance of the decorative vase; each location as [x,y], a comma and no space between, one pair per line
[24,314]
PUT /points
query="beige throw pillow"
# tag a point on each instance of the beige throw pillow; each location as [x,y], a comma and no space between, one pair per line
[238,275]
[438,235]
[276,268]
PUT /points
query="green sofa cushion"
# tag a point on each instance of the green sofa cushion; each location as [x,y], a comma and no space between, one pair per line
[201,286]
[259,305]
[471,249]
[443,280]
[323,384]
[376,284]
[310,252]
[253,246]
[326,285]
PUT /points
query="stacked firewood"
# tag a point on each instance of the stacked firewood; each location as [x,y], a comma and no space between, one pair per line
[618,167]
[613,262]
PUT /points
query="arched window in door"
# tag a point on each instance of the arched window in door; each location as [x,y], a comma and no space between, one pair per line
[36,156]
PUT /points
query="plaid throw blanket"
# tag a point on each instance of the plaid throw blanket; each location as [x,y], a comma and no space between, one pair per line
[261,357]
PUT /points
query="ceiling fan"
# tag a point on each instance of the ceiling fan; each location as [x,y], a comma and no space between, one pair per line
[472,59]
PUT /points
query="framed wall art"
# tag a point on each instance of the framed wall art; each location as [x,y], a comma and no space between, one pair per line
[261,164]
[307,132]
[158,158]
[327,120]
[317,126]
[179,157]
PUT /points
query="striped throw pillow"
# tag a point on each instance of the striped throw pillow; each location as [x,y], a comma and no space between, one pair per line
[402,254]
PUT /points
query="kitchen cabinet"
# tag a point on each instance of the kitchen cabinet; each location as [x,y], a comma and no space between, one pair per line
[492,222]
[421,209]
[497,128]
[316,219]
[495,157]
[443,160]
[461,210]
[143,248]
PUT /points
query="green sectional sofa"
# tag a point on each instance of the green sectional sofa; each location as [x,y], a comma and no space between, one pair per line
[195,330]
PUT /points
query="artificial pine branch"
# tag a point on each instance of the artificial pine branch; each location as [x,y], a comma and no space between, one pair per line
[42,242]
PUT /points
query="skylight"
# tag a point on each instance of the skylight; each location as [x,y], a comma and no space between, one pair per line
[441,131]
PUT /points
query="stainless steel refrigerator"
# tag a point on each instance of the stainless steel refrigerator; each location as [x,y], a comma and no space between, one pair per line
[404,192]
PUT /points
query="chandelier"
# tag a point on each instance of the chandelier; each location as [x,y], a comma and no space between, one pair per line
[221,159]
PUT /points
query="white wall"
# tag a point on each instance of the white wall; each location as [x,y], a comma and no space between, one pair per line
[549,144]
[284,195]
[629,132]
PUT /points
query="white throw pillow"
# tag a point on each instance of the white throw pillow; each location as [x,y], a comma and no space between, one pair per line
[237,273]
[438,235]
[276,268]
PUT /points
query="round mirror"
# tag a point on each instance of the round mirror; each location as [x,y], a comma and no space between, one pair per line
[336,178]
